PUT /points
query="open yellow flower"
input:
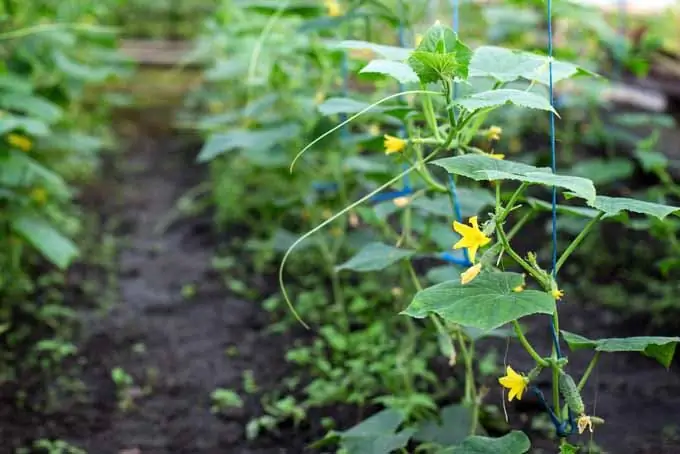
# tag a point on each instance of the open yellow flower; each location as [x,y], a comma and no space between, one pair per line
[584,422]
[515,382]
[394,144]
[23,143]
[333,8]
[473,238]
[471,273]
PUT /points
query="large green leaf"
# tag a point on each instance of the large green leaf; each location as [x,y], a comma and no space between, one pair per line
[440,56]
[454,427]
[515,442]
[376,435]
[503,96]
[580,187]
[31,105]
[385,52]
[613,206]
[473,165]
[485,303]
[375,257]
[661,349]
[395,69]
[45,238]
[480,167]
[32,126]
[245,139]
[507,65]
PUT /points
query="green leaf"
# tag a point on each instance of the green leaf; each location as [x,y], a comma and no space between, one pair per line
[503,96]
[661,349]
[473,165]
[45,238]
[470,200]
[32,126]
[376,434]
[580,187]
[564,209]
[487,302]
[375,257]
[604,171]
[508,65]
[335,106]
[515,442]
[443,273]
[397,70]
[386,52]
[613,206]
[32,106]
[456,421]
[440,56]
[245,139]
[566,448]
[479,167]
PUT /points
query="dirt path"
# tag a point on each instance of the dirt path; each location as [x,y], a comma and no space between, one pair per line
[172,345]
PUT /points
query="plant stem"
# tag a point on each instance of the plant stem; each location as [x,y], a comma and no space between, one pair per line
[513,199]
[515,256]
[588,371]
[579,238]
[430,117]
[527,345]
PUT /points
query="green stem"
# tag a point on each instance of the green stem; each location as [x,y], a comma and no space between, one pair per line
[515,256]
[588,371]
[527,345]
[430,117]
[579,238]
[513,199]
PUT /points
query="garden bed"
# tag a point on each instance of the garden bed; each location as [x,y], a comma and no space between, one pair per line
[179,345]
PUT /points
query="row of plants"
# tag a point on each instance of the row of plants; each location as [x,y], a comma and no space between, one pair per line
[53,132]
[382,185]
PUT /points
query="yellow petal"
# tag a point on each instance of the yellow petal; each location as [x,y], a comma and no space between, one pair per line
[468,275]
[497,156]
[473,222]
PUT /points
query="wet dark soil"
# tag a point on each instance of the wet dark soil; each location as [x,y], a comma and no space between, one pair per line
[174,343]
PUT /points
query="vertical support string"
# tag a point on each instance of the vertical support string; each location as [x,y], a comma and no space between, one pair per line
[553,166]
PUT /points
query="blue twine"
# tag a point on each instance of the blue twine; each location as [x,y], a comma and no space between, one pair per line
[563,428]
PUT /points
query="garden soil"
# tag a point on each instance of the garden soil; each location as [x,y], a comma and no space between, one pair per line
[174,345]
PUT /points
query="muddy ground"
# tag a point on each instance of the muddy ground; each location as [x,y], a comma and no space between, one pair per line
[174,345]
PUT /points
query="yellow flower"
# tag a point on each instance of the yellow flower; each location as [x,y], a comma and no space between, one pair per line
[394,144]
[374,130]
[557,294]
[23,143]
[332,8]
[39,195]
[519,288]
[468,275]
[494,133]
[496,155]
[401,202]
[319,97]
[584,421]
[515,382]
[473,238]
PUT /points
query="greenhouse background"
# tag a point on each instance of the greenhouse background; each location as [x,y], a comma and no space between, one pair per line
[339,226]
